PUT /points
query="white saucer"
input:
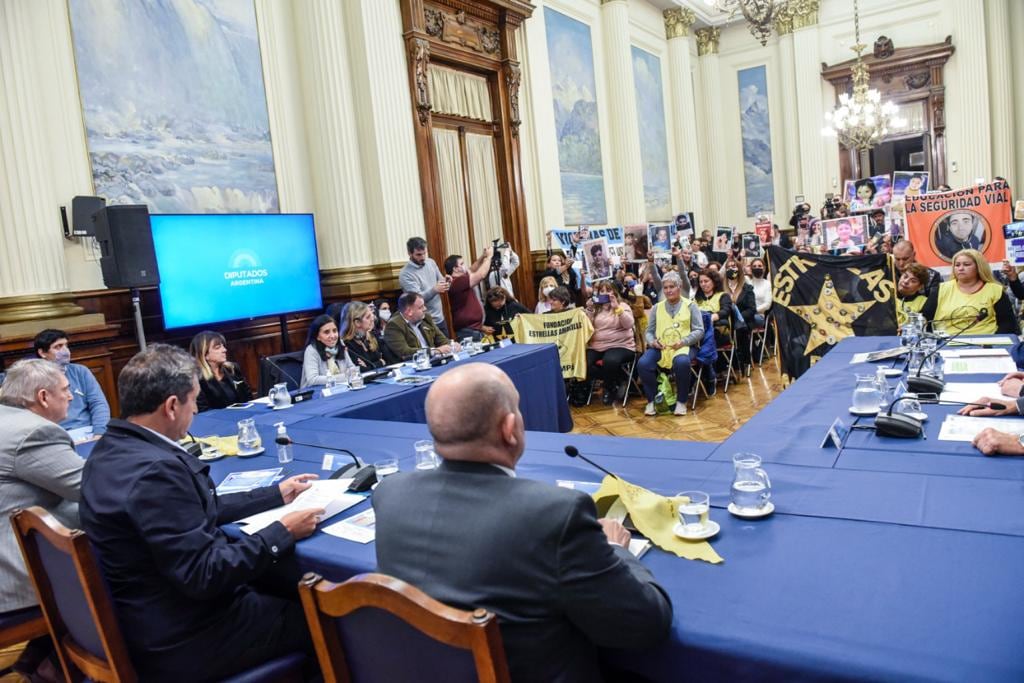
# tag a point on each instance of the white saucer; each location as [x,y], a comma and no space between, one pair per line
[249,454]
[710,530]
[892,372]
[768,509]
[211,457]
[864,412]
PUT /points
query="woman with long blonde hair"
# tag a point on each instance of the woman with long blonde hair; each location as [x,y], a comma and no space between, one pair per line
[547,285]
[972,300]
[220,382]
[358,338]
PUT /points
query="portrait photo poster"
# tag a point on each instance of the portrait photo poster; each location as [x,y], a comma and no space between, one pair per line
[636,244]
[723,239]
[660,237]
[597,259]
[844,234]
[1014,234]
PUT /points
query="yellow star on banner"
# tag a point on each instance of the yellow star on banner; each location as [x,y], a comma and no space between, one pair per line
[829,318]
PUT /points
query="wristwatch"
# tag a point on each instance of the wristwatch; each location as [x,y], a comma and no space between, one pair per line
[1020,440]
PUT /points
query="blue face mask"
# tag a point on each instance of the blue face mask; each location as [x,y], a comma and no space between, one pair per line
[62,357]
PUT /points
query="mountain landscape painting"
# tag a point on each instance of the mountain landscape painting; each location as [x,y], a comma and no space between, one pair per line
[571,58]
[174,105]
[757,143]
[650,109]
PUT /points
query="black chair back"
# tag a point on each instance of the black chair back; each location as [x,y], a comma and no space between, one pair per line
[284,367]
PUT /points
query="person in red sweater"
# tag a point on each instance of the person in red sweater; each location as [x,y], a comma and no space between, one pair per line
[613,341]
[467,311]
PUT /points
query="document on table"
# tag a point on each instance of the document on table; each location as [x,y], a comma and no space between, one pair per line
[964,428]
[247,481]
[329,494]
[872,356]
[361,528]
[967,392]
[995,365]
[979,341]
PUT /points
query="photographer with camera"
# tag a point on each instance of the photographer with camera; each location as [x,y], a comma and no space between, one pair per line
[504,262]
[467,311]
[613,342]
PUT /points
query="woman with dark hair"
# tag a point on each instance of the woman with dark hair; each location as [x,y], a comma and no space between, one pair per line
[560,300]
[358,339]
[742,292]
[710,297]
[499,309]
[324,357]
[220,382]
[382,309]
[613,342]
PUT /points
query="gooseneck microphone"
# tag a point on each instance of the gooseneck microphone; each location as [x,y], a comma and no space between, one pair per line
[573,452]
[363,476]
[904,426]
[923,384]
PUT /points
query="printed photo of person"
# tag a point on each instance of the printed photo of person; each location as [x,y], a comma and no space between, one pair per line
[876,224]
[897,223]
[598,259]
[615,253]
[683,228]
[634,238]
[909,184]
[844,234]
[723,239]
[869,193]
[661,238]
[849,191]
[751,245]
[960,229]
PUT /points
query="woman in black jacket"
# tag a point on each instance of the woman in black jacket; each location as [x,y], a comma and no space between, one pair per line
[220,382]
[742,294]
[359,338]
[499,310]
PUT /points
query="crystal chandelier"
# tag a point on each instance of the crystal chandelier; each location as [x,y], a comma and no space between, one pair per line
[758,13]
[861,120]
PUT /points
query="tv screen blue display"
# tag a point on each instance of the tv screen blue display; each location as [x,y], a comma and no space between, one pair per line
[217,267]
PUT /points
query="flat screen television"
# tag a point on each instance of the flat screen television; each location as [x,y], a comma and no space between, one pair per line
[216,267]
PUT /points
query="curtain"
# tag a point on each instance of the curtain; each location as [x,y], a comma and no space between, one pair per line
[913,112]
[483,189]
[453,198]
[459,93]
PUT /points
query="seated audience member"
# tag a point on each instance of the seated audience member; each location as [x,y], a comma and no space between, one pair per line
[547,285]
[903,254]
[181,587]
[560,268]
[361,345]
[89,409]
[467,312]
[560,581]
[674,331]
[499,311]
[559,300]
[220,382]
[382,311]
[910,291]
[710,297]
[613,342]
[413,329]
[742,294]
[38,466]
[972,290]
[762,290]
[421,275]
[324,356]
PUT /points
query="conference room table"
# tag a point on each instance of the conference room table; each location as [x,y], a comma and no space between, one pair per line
[882,561]
[535,369]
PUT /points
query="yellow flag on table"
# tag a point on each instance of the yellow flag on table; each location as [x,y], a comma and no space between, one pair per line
[653,516]
[228,445]
[569,330]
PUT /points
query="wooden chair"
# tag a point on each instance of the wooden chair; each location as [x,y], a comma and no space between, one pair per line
[376,628]
[20,626]
[79,613]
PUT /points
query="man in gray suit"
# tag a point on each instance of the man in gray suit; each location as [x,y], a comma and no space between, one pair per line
[471,534]
[38,466]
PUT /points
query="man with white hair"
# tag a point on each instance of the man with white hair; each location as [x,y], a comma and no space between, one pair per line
[472,534]
[38,466]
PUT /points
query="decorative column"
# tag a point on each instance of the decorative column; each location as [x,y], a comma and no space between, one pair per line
[385,128]
[814,174]
[626,166]
[973,135]
[33,280]
[716,178]
[1000,82]
[790,105]
[1017,88]
[332,138]
[684,118]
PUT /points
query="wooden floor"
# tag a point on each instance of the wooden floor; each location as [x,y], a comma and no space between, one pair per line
[713,420]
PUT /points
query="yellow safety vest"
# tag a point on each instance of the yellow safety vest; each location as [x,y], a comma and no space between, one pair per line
[712,304]
[678,323]
[912,305]
[960,309]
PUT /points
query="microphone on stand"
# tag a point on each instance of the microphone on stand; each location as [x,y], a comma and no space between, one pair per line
[573,452]
[363,476]
[906,427]
[919,384]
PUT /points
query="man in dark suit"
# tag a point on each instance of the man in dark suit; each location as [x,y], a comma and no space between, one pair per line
[471,534]
[413,329]
[181,587]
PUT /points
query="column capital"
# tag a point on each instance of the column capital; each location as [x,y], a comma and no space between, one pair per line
[707,40]
[608,2]
[796,14]
[678,21]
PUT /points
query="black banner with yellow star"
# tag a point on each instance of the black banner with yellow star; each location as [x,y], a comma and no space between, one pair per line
[820,299]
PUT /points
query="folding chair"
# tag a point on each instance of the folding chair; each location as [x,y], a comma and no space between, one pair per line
[375,629]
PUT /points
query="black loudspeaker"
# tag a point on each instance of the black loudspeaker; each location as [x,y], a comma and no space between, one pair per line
[83,210]
[126,246]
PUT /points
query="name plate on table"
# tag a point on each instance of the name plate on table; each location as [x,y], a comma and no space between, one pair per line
[504,342]
[836,434]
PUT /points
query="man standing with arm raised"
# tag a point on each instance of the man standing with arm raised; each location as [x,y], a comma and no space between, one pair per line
[471,534]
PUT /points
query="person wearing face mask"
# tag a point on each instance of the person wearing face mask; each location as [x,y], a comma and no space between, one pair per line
[742,294]
[324,356]
[547,285]
[762,291]
[89,411]
[383,311]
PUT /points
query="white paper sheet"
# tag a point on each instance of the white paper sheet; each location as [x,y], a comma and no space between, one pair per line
[969,352]
[964,428]
[361,528]
[328,494]
[980,365]
[966,392]
[990,341]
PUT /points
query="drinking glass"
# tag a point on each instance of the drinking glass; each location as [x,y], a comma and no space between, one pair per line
[248,437]
[355,378]
[279,395]
[385,467]
[866,395]
[693,516]
[751,487]
[426,459]
[909,335]
[467,344]
[422,359]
